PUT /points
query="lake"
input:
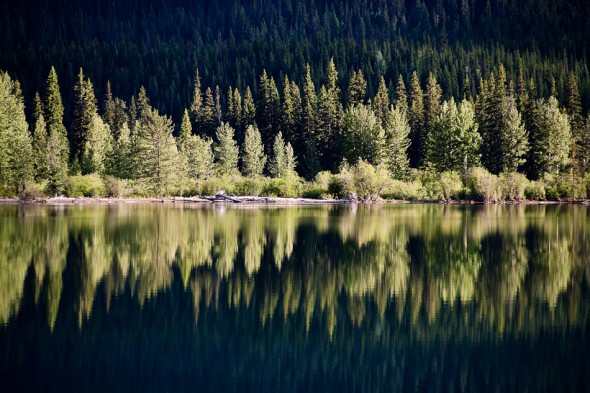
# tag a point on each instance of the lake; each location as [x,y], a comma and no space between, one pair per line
[330,298]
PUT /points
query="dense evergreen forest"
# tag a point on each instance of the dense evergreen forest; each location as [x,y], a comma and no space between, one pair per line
[444,92]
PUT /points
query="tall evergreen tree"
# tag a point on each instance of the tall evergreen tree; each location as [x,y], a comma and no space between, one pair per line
[98,146]
[291,111]
[357,89]
[121,161]
[186,130]
[16,152]
[58,147]
[85,109]
[454,143]
[253,157]
[330,121]
[269,106]
[226,151]
[513,137]
[401,96]
[249,110]
[364,138]
[309,124]
[432,103]
[207,121]
[416,118]
[397,142]
[157,152]
[282,162]
[381,101]
[197,102]
[551,145]
[574,112]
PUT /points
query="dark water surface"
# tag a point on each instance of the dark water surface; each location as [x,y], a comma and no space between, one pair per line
[377,299]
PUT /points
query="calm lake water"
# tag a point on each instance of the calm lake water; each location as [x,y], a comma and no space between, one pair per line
[342,298]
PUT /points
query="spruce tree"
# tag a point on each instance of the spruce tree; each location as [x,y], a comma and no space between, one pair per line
[291,111]
[40,148]
[309,123]
[364,138]
[416,118]
[120,161]
[253,157]
[551,145]
[85,109]
[226,151]
[157,152]
[269,106]
[218,111]
[330,121]
[381,101]
[234,108]
[98,146]
[282,162]
[207,121]
[574,112]
[197,102]
[397,142]
[401,96]
[513,137]
[186,130]
[357,89]
[58,147]
[198,153]
[432,103]
[16,152]
[249,110]
[453,143]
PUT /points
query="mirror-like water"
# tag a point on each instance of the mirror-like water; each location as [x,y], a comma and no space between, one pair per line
[378,298]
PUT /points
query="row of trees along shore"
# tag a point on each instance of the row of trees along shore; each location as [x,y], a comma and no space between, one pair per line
[405,142]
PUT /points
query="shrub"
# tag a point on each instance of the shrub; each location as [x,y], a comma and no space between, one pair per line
[558,187]
[403,190]
[369,181]
[450,185]
[535,191]
[85,186]
[33,191]
[249,186]
[513,185]
[283,187]
[117,188]
[342,184]
[482,185]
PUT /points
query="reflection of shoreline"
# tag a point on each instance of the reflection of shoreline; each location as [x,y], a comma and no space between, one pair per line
[416,259]
[262,201]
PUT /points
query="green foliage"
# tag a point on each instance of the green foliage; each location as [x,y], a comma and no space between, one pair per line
[85,113]
[199,155]
[56,158]
[397,142]
[535,191]
[513,137]
[453,143]
[97,148]
[513,185]
[283,187]
[559,187]
[157,153]
[282,162]
[482,185]
[404,190]
[364,138]
[342,185]
[253,157]
[369,181]
[85,186]
[226,151]
[16,151]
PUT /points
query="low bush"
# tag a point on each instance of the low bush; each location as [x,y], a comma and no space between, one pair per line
[403,190]
[342,184]
[482,185]
[249,186]
[535,191]
[369,181]
[117,188]
[85,186]
[34,191]
[283,187]
[558,187]
[513,186]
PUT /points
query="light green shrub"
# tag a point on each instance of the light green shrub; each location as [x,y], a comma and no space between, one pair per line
[370,181]
[85,186]
[513,185]
[535,191]
[403,190]
[283,187]
[482,185]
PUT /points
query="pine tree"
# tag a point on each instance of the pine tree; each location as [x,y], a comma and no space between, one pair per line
[16,152]
[157,152]
[206,124]
[574,112]
[120,161]
[401,97]
[234,108]
[397,142]
[98,146]
[268,108]
[58,147]
[416,118]
[513,137]
[309,121]
[364,138]
[330,121]
[552,143]
[381,101]
[186,130]
[226,151]
[199,156]
[115,112]
[197,102]
[218,111]
[291,111]
[282,162]
[357,89]
[432,103]
[109,107]
[40,148]
[85,109]
[454,143]
[249,110]
[253,157]
[584,148]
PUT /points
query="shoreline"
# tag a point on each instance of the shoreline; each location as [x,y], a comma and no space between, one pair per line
[260,201]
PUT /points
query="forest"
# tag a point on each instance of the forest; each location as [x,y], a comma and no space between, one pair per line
[410,100]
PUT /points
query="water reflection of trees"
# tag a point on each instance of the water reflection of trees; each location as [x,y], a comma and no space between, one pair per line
[492,269]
